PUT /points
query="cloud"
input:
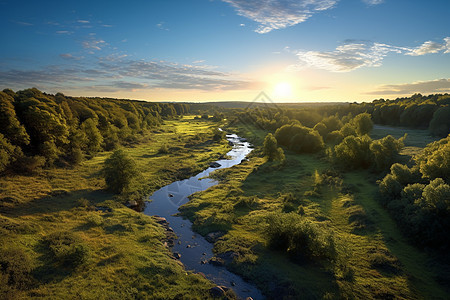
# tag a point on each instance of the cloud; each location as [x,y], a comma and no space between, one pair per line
[122,73]
[93,44]
[429,47]
[353,55]
[425,87]
[64,32]
[83,21]
[278,14]
[347,57]
[373,2]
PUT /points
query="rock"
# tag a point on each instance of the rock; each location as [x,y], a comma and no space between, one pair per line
[230,143]
[170,195]
[233,283]
[243,139]
[179,242]
[203,262]
[214,164]
[170,229]
[188,246]
[249,298]
[160,220]
[132,203]
[212,237]
[203,253]
[217,291]
[217,261]
[177,255]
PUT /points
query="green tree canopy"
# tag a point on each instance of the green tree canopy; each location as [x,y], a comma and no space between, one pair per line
[119,171]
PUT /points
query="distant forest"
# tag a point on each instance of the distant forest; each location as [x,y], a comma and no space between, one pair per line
[43,130]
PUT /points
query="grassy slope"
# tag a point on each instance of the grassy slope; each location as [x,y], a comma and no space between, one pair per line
[127,258]
[369,244]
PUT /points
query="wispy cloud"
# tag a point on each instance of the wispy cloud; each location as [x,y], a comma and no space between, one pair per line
[121,73]
[93,44]
[373,2]
[429,47]
[347,57]
[162,26]
[65,32]
[277,14]
[353,55]
[83,21]
[432,86]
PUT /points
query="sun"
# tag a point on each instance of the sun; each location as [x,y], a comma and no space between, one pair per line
[282,90]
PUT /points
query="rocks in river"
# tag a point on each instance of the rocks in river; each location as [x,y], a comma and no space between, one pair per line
[212,237]
[218,291]
[170,195]
[177,255]
[243,139]
[160,220]
[214,164]
[188,246]
[217,261]
[203,262]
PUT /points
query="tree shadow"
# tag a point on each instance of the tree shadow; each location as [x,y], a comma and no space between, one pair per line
[57,202]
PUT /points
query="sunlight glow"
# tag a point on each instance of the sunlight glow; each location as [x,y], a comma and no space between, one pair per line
[282,90]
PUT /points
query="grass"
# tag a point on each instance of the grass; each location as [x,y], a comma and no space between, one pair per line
[415,141]
[374,260]
[118,254]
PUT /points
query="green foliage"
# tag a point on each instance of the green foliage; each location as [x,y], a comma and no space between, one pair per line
[271,149]
[434,161]
[299,138]
[15,268]
[67,249]
[120,172]
[363,123]
[440,123]
[63,129]
[299,237]
[362,152]
[419,197]
[9,124]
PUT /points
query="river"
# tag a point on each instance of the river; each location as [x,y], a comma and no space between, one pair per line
[193,247]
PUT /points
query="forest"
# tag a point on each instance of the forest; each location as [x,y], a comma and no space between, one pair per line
[336,201]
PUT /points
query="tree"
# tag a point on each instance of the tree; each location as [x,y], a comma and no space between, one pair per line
[440,124]
[363,123]
[271,149]
[120,172]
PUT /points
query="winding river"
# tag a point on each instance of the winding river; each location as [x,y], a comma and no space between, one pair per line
[193,247]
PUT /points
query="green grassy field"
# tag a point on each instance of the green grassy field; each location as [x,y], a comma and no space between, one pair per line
[54,245]
[374,260]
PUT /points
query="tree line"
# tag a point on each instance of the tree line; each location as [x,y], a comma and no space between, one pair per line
[43,130]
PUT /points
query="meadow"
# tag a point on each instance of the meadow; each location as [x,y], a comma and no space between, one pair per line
[55,244]
[354,250]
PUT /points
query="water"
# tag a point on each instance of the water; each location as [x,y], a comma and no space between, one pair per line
[192,246]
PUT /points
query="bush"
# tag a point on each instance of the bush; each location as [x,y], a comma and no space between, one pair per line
[271,149]
[120,172]
[298,237]
[15,267]
[67,249]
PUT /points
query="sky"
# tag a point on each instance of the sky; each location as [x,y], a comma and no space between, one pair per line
[218,50]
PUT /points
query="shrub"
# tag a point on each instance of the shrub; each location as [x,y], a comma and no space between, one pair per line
[120,172]
[15,267]
[298,237]
[271,149]
[67,249]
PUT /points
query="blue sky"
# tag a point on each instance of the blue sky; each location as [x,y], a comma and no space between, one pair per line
[206,50]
